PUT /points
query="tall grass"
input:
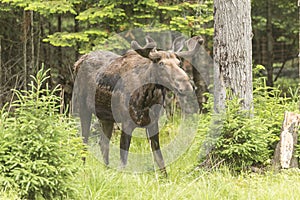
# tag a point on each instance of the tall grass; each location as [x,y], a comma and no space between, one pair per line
[185,182]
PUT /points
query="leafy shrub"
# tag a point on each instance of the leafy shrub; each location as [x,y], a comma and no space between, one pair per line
[270,105]
[285,83]
[239,140]
[39,148]
[242,139]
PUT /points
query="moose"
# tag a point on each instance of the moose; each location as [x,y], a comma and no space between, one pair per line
[130,90]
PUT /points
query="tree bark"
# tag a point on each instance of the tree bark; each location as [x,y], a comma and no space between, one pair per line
[26,24]
[284,156]
[38,45]
[270,51]
[32,70]
[76,30]
[1,75]
[201,76]
[201,88]
[299,44]
[60,53]
[232,52]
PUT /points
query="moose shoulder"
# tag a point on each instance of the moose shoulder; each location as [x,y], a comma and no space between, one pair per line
[130,89]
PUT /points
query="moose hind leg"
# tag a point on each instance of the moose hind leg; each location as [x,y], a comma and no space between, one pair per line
[153,136]
[85,121]
[105,136]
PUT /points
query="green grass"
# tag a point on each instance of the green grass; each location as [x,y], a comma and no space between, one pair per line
[97,182]
[185,180]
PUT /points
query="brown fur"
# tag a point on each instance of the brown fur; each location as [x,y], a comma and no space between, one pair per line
[104,77]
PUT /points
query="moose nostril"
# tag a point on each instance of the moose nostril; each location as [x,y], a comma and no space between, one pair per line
[180,90]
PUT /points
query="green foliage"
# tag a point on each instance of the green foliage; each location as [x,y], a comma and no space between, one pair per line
[66,39]
[239,140]
[288,12]
[286,84]
[96,15]
[283,17]
[270,105]
[44,7]
[189,18]
[51,7]
[242,139]
[98,20]
[39,148]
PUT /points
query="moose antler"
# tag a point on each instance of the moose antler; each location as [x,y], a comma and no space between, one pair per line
[149,39]
[178,44]
[144,51]
[193,45]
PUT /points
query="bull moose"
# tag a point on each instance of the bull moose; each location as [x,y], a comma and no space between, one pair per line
[130,90]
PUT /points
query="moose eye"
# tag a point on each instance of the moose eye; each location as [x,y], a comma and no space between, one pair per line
[161,64]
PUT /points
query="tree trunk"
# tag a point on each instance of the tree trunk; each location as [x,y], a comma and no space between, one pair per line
[270,52]
[201,88]
[26,23]
[38,45]
[76,30]
[299,43]
[232,52]
[44,50]
[60,53]
[32,68]
[201,76]
[284,156]
[1,75]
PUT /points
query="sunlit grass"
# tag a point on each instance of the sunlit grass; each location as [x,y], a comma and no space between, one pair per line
[185,181]
[99,182]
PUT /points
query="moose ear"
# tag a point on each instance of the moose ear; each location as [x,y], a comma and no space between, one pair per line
[143,51]
[178,44]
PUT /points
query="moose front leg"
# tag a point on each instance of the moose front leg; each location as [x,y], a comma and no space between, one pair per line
[125,143]
[153,136]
